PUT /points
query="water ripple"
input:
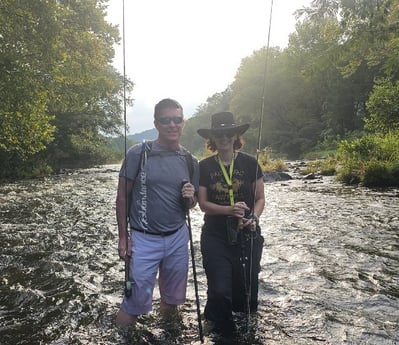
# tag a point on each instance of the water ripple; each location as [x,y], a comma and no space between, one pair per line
[330,269]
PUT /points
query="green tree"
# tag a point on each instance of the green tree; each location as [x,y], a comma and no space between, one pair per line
[25,124]
[320,40]
[383,106]
[358,44]
[56,57]
[86,89]
[271,87]
[315,91]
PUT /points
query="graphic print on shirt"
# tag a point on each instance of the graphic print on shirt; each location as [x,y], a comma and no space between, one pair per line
[141,202]
[220,188]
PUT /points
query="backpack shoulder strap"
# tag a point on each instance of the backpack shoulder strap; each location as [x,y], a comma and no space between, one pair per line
[146,147]
[146,150]
[190,163]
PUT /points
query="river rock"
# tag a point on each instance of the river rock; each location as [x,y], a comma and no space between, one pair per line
[276,176]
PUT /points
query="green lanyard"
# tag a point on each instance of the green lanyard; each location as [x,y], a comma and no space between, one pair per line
[228,179]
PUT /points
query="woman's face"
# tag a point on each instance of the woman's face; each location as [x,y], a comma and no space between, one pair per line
[224,140]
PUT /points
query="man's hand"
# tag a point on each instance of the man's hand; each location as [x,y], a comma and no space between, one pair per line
[188,194]
[124,253]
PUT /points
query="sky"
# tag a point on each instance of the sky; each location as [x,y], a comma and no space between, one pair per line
[189,50]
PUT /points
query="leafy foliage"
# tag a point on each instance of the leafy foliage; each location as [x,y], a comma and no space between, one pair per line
[383,106]
[59,94]
[372,159]
[61,99]
[25,125]
[337,78]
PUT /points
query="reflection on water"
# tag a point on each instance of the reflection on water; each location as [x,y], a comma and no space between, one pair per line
[330,266]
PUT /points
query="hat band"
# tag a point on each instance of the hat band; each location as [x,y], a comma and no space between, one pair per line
[222,125]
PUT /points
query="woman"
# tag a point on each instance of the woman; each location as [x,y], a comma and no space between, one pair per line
[231,194]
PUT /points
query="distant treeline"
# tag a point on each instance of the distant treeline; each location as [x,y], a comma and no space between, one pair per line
[332,92]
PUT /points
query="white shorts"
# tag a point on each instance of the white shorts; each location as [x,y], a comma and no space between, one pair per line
[153,254]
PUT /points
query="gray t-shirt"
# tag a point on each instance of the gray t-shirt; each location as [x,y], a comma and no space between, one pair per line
[155,203]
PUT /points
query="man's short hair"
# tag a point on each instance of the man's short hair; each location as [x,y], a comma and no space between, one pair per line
[166,103]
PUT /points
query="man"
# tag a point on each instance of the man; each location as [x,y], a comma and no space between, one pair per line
[152,185]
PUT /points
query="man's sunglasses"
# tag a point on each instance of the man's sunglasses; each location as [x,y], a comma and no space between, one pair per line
[221,134]
[167,120]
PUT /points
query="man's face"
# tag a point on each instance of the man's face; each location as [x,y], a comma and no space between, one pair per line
[170,124]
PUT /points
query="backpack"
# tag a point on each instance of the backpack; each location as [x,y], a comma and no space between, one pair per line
[146,151]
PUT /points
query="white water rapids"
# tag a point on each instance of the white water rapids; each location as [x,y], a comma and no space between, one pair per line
[330,266]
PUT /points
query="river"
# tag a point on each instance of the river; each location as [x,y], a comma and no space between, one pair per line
[330,267]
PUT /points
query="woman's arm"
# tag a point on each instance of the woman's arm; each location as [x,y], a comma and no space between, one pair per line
[259,197]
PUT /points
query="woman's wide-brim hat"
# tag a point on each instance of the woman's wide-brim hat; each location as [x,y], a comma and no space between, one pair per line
[223,121]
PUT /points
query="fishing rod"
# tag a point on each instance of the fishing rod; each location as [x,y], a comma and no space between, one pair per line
[262,112]
[248,284]
[127,283]
[186,207]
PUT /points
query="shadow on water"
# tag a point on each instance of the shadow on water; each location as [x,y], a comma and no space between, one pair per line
[330,269]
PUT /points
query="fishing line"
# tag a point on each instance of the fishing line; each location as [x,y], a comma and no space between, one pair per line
[128,284]
[262,112]
[249,288]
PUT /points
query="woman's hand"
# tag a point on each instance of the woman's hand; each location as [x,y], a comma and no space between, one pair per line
[239,209]
[251,222]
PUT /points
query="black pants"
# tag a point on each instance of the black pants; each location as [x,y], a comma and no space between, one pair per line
[228,286]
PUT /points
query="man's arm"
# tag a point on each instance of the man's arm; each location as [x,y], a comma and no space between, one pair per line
[124,189]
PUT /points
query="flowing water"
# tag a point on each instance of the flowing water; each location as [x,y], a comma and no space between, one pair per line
[330,267]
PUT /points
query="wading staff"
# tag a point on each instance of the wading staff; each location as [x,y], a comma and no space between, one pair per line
[186,206]
[127,284]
